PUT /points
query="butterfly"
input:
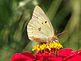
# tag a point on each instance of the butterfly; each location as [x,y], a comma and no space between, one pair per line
[39,28]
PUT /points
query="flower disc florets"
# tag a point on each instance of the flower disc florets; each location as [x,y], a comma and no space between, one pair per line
[51,47]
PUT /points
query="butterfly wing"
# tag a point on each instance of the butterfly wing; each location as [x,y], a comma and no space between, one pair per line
[39,27]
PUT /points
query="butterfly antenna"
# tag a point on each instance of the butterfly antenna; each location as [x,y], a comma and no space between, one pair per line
[59,34]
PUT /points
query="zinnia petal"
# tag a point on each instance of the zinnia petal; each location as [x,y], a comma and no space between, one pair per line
[65,52]
[75,56]
[22,57]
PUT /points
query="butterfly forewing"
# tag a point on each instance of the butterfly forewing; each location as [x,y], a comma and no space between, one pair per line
[39,27]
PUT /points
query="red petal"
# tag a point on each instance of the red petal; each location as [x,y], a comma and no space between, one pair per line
[65,52]
[75,56]
[29,54]
[20,57]
[55,59]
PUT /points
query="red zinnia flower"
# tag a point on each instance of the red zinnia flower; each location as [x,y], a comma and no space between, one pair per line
[63,55]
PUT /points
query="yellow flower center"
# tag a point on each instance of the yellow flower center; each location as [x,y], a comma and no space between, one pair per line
[49,46]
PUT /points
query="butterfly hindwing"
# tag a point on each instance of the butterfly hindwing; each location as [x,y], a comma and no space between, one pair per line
[39,27]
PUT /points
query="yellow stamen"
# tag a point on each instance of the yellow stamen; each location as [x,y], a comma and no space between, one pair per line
[42,47]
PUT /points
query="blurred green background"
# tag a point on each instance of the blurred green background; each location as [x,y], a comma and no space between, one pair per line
[65,15]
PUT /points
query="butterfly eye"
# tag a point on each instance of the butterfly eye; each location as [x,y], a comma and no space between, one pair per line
[45,21]
[39,29]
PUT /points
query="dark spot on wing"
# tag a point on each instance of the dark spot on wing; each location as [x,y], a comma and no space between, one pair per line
[39,29]
[42,23]
[45,21]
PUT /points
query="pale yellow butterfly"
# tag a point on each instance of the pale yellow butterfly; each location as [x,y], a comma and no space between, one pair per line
[39,27]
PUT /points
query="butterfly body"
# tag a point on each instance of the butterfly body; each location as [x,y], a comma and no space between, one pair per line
[40,28]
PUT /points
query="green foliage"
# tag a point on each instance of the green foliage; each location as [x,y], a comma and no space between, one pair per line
[15,14]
